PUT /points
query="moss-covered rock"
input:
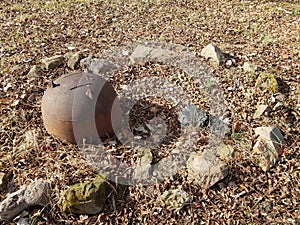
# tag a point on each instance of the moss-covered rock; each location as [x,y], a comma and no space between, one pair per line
[85,198]
[267,81]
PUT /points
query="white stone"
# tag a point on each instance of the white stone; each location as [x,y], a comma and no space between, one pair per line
[206,169]
[213,53]
[73,59]
[35,71]
[260,111]
[140,53]
[100,66]
[270,133]
[248,67]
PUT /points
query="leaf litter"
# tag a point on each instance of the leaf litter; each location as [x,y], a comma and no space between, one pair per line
[264,33]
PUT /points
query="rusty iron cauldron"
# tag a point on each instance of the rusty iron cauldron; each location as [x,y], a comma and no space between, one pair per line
[81,106]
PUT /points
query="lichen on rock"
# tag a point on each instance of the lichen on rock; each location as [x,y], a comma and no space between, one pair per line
[267,81]
[85,198]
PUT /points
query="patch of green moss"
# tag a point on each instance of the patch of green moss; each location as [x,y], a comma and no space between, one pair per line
[296,10]
[89,197]
[85,198]
[267,81]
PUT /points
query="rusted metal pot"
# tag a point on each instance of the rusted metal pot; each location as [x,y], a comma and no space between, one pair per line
[81,106]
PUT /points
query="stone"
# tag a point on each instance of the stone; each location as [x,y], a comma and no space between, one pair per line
[142,54]
[85,198]
[225,152]
[35,194]
[249,67]
[278,97]
[73,60]
[214,54]
[205,169]
[99,66]
[85,62]
[228,63]
[278,106]
[261,109]
[218,127]
[269,146]
[173,199]
[161,54]
[5,179]
[267,81]
[271,133]
[191,115]
[35,71]
[23,221]
[144,161]
[53,62]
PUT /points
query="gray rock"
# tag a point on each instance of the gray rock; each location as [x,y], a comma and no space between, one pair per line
[53,62]
[270,133]
[26,197]
[166,167]
[35,71]
[23,221]
[97,65]
[218,127]
[279,97]
[161,54]
[204,169]
[142,54]
[261,109]
[191,115]
[214,54]
[269,146]
[143,163]
[85,62]
[173,199]
[5,179]
[73,59]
